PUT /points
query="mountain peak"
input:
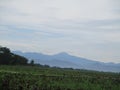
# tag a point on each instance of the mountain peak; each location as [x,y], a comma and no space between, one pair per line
[64,59]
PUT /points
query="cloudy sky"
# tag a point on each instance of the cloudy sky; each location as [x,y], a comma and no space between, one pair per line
[85,28]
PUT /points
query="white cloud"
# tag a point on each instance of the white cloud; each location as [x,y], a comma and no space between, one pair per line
[41,11]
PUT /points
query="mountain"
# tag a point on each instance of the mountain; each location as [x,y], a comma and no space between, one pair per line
[65,60]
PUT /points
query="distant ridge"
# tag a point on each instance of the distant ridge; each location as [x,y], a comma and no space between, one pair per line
[64,60]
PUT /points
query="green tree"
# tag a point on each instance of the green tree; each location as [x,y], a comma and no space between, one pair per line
[6,57]
[32,62]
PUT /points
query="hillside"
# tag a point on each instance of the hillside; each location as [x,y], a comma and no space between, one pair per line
[65,60]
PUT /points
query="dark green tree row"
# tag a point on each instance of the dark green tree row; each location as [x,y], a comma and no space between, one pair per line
[8,58]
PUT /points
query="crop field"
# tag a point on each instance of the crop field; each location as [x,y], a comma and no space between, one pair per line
[41,78]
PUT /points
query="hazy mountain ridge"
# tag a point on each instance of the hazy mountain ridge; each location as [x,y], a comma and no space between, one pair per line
[65,60]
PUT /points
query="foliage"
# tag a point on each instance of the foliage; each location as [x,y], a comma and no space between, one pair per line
[8,58]
[36,78]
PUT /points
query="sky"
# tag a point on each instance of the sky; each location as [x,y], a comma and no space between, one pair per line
[84,28]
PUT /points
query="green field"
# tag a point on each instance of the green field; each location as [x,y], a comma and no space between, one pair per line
[41,78]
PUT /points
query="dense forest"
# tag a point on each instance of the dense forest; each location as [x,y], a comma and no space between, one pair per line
[8,58]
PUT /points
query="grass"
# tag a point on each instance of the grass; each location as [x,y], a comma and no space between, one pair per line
[39,78]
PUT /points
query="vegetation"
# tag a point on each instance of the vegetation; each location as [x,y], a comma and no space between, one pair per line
[8,58]
[41,78]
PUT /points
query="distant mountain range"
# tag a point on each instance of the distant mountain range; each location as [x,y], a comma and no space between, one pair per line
[64,60]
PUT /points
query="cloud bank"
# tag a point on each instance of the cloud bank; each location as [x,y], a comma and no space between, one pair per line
[87,28]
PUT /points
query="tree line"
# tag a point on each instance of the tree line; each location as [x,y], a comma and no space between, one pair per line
[9,58]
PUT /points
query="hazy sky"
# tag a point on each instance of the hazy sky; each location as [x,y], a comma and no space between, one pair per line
[85,28]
